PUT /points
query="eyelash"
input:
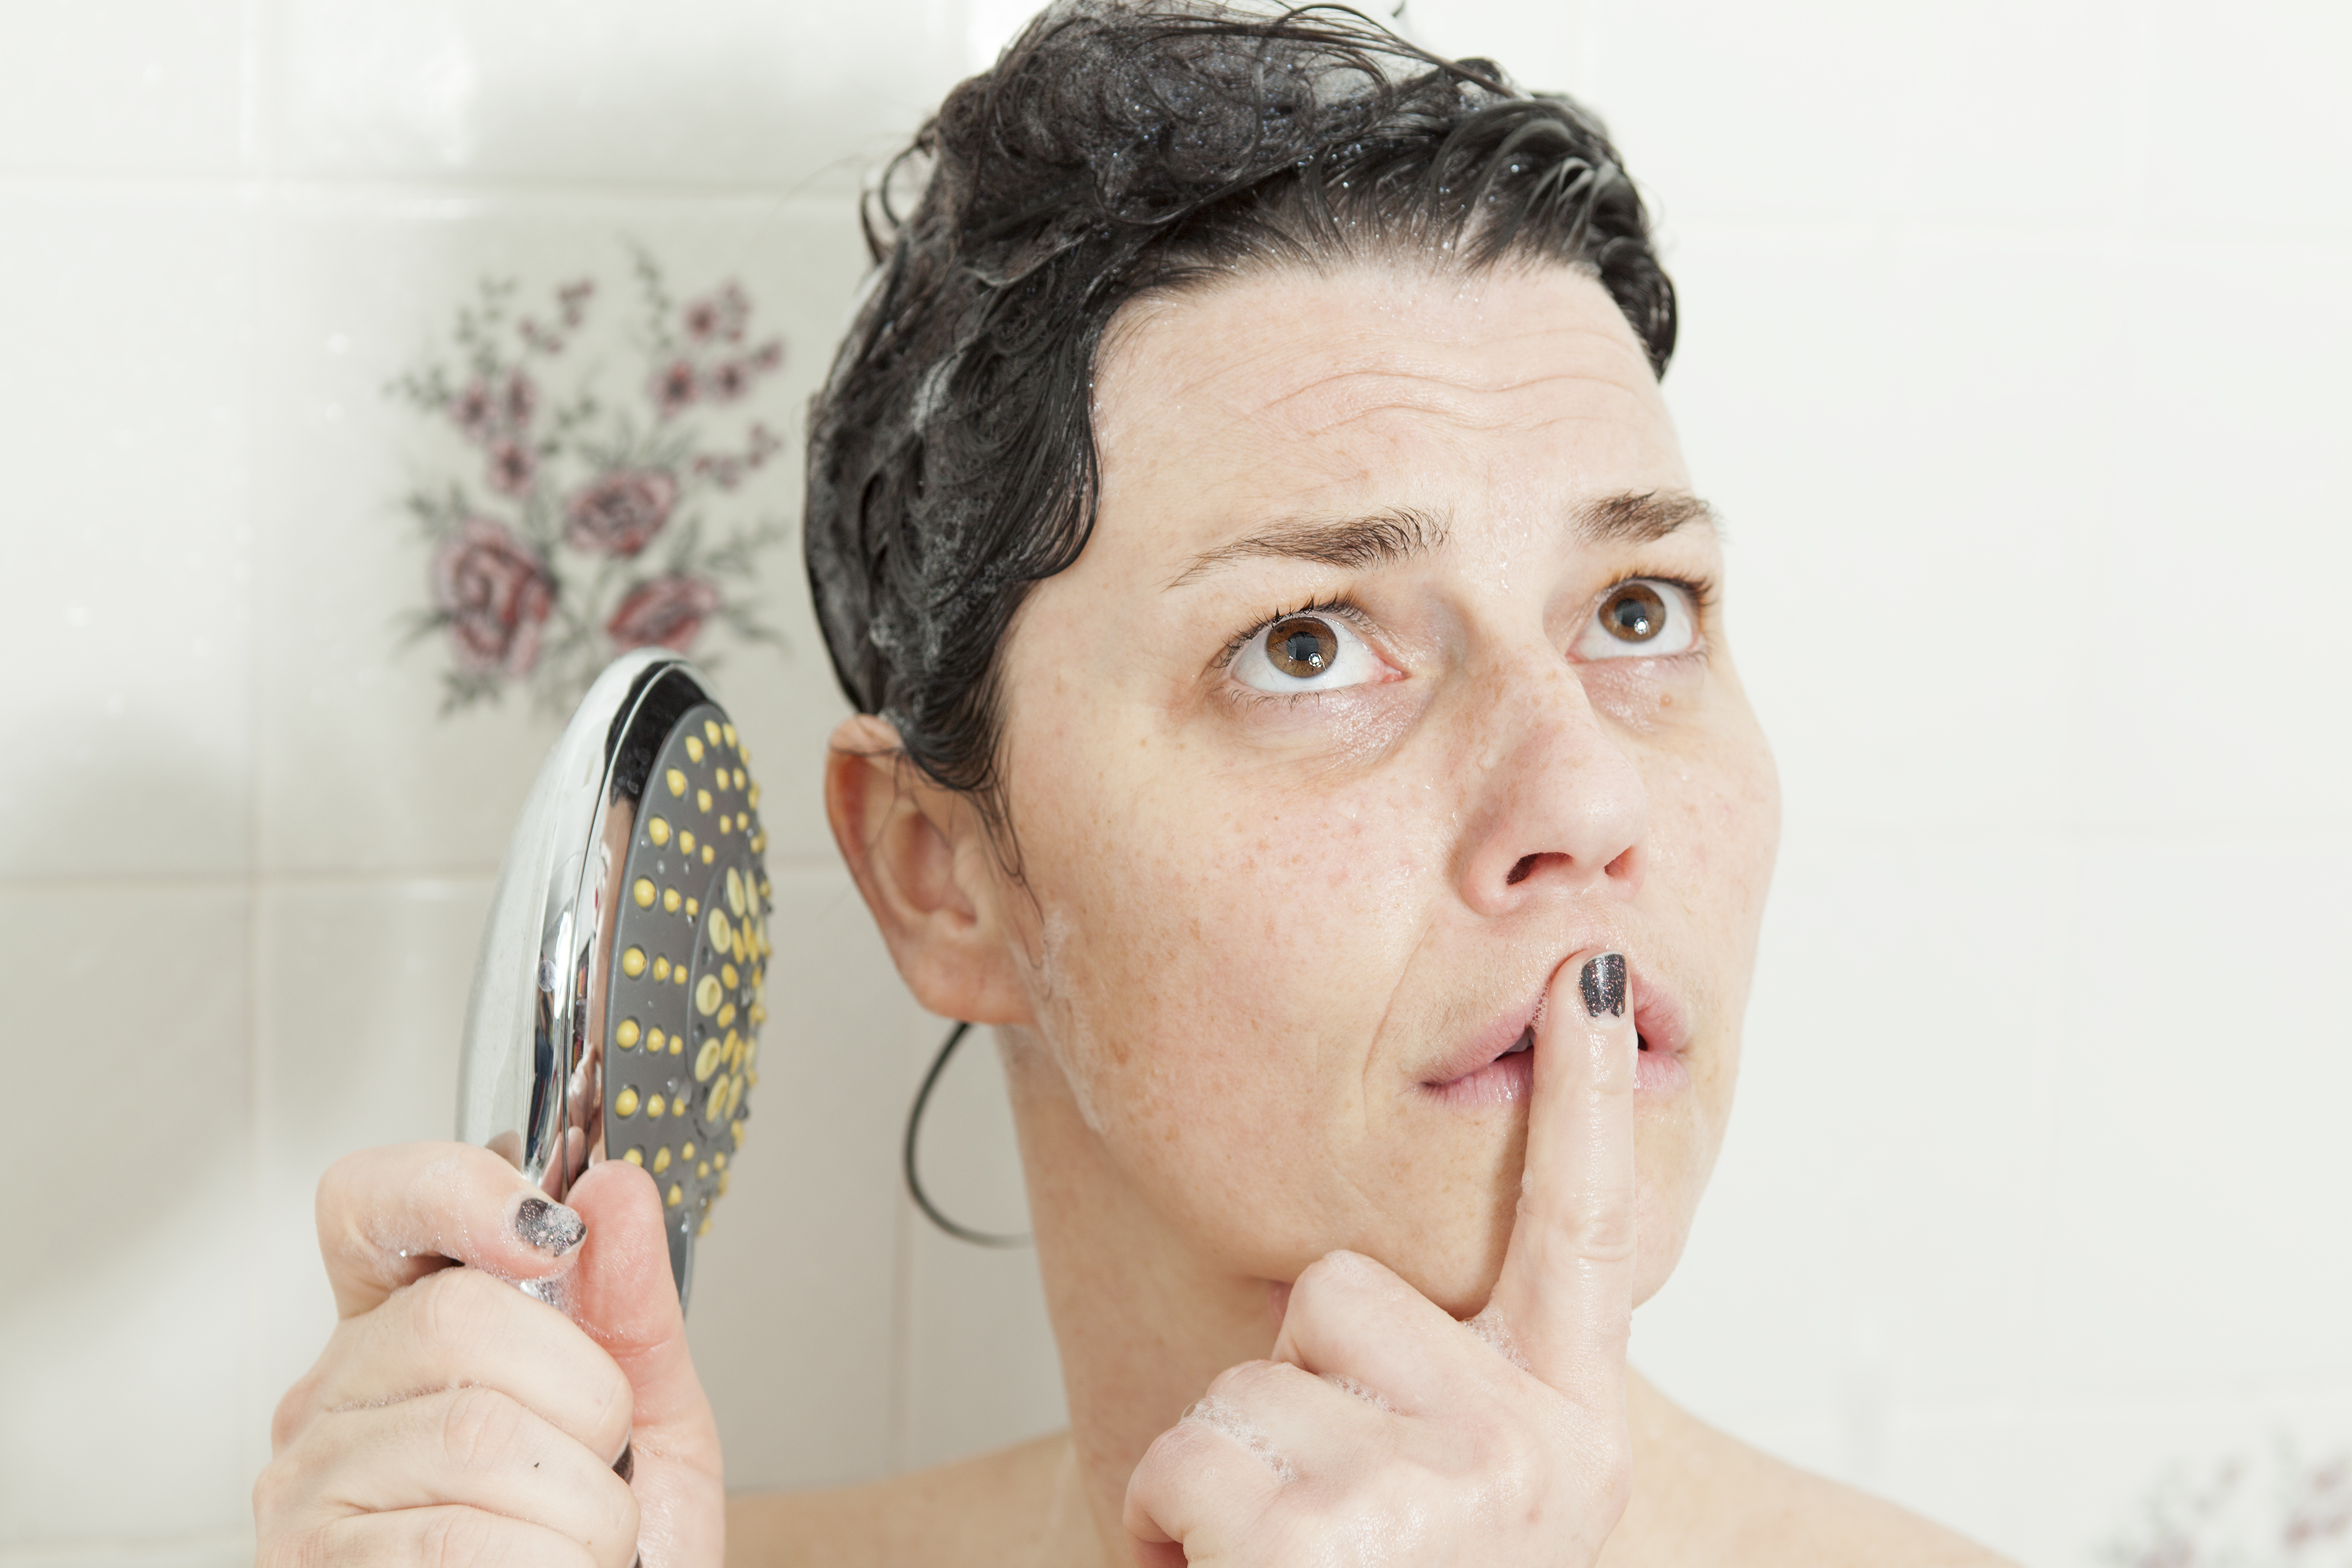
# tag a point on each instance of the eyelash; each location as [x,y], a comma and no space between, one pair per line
[1700,588]
[1346,609]
[1701,591]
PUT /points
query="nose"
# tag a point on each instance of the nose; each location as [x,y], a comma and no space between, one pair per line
[1557,808]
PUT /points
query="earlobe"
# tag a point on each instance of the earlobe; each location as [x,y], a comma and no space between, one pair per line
[911,846]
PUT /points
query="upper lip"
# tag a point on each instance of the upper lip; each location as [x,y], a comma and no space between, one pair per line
[1656,1014]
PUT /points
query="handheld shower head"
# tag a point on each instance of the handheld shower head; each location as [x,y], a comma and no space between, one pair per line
[621,981]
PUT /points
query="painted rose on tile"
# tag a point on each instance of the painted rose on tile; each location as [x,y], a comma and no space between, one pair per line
[494,593]
[2279,1510]
[620,513]
[595,489]
[669,611]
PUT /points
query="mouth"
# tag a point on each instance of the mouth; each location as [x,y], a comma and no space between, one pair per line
[1496,1065]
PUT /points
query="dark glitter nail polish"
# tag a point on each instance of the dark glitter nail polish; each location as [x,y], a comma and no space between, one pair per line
[1603,985]
[550,1226]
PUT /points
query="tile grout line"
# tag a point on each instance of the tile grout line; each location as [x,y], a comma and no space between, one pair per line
[254,199]
[841,180]
[433,187]
[255,877]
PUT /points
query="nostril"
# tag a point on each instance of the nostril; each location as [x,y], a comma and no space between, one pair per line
[1523,870]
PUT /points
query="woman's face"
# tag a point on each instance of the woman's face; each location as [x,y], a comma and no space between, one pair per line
[1393,674]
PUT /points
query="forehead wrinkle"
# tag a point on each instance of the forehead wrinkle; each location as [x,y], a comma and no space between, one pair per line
[1460,419]
[1459,405]
[1430,361]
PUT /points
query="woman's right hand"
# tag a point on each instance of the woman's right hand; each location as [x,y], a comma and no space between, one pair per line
[1381,1430]
[453,1417]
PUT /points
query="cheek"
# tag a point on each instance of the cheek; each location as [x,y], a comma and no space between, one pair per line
[1644,695]
[1230,927]
[1715,829]
[1715,819]
[1210,961]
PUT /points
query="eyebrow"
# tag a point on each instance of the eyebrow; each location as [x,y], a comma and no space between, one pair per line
[1381,538]
[1630,519]
[1386,539]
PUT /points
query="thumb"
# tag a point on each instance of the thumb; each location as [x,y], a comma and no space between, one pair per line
[622,1293]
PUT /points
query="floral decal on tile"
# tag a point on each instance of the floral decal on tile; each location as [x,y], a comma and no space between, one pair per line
[2278,1511]
[598,502]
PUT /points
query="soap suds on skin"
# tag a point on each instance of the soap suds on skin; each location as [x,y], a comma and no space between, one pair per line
[1489,1326]
[1369,1396]
[1073,1044]
[1225,1417]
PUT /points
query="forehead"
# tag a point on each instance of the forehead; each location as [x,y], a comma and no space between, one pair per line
[1374,386]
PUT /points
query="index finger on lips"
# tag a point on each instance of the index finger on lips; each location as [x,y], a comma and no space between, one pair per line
[388,1217]
[1563,1303]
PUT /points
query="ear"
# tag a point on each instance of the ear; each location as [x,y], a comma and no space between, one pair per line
[920,856]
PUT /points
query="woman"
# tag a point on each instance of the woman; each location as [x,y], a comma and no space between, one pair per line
[1294,710]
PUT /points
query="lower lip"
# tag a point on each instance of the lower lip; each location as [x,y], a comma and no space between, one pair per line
[1508,1079]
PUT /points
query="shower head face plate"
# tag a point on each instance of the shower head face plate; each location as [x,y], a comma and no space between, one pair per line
[621,986]
[689,989]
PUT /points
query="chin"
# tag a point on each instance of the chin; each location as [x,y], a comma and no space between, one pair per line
[1453,1258]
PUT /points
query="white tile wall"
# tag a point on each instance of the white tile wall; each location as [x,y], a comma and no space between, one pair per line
[2011,351]
[124,368]
[681,96]
[125,86]
[122,1316]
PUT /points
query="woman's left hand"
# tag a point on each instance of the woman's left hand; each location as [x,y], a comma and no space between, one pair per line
[1385,1431]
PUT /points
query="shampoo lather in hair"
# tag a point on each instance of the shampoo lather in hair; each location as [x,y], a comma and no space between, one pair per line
[621,981]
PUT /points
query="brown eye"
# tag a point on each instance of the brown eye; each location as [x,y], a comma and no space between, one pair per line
[1634,612]
[1302,646]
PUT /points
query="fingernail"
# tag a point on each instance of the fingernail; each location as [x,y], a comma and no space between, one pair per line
[549,1226]
[1603,985]
[625,1466]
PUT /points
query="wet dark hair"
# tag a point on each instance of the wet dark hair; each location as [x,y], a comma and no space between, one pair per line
[1120,147]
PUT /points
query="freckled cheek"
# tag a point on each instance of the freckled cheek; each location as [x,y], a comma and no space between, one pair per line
[1714,810]
[1225,939]
[1643,695]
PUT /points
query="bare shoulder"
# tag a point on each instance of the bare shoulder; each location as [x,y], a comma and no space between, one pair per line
[995,1508]
[1701,1496]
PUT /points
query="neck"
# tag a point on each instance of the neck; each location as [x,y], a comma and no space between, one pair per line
[1143,1318]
